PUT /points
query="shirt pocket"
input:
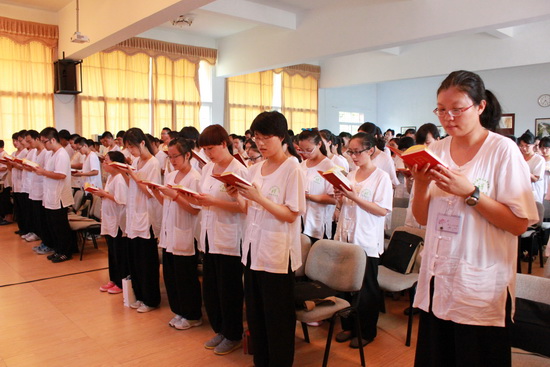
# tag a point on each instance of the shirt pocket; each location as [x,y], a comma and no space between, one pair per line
[475,286]
[183,241]
[273,249]
[226,236]
[140,221]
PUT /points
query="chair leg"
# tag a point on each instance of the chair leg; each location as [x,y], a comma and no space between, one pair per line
[306,332]
[412,292]
[530,252]
[94,240]
[329,339]
[83,237]
[518,269]
[359,337]
[541,244]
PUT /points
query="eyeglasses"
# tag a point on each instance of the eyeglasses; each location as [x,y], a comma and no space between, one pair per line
[306,151]
[262,139]
[174,156]
[356,153]
[253,159]
[455,112]
[45,141]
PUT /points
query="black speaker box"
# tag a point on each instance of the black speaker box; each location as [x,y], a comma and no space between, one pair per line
[68,76]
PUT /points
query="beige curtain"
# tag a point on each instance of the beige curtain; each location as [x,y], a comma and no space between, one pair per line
[300,85]
[246,96]
[141,83]
[27,52]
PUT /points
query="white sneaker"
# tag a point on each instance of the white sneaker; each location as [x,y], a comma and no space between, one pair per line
[175,320]
[185,324]
[32,237]
[144,308]
[24,236]
[136,304]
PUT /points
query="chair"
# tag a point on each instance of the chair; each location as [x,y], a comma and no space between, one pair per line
[78,197]
[398,217]
[532,289]
[392,281]
[340,266]
[306,246]
[534,236]
[87,225]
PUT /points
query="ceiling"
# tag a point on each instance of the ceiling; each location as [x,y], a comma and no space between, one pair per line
[50,5]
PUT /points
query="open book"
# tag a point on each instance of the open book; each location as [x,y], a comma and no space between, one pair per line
[183,189]
[420,155]
[199,157]
[240,159]
[122,165]
[29,163]
[231,178]
[6,158]
[336,178]
[90,188]
[150,183]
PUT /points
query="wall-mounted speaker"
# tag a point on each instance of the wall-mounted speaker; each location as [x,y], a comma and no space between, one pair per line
[68,76]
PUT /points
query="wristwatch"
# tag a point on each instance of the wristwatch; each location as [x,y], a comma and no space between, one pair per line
[473,199]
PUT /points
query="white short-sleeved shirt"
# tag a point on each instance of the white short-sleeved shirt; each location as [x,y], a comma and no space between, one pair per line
[546,179]
[318,217]
[77,157]
[385,163]
[224,228]
[113,213]
[537,166]
[178,227]
[271,242]
[36,191]
[16,174]
[475,268]
[340,161]
[143,212]
[70,150]
[162,157]
[358,226]
[27,175]
[3,174]
[58,193]
[91,163]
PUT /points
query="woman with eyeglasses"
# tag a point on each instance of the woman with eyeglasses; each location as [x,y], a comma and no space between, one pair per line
[271,242]
[361,222]
[320,202]
[253,153]
[220,241]
[473,210]
[177,237]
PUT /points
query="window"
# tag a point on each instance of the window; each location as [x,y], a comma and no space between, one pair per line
[205,84]
[350,121]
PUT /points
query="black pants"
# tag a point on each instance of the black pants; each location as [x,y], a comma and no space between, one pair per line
[21,213]
[6,206]
[369,302]
[117,249]
[183,288]
[57,233]
[446,343]
[144,269]
[223,293]
[271,315]
[37,213]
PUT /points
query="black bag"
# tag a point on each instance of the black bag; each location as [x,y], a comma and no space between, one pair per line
[401,253]
[310,291]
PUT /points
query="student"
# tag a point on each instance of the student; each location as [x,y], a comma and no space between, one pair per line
[333,147]
[271,245]
[362,222]
[320,202]
[473,212]
[143,225]
[57,197]
[253,153]
[179,222]
[6,206]
[544,148]
[165,138]
[91,168]
[77,161]
[26,183]
[113,222]
[536,164]
[18,195]
[238,146]
[220,241]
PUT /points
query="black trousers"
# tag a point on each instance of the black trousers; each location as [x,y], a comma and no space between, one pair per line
[183,288]
[21,213]
[144,269]
[37,214]
[369,302]
[446,343]
[6,206]
[223,293]
[117,249]
[57,233]
[271,315]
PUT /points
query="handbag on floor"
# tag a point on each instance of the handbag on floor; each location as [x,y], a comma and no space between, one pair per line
[128,295]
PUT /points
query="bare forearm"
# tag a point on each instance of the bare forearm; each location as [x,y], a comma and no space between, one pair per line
[322,199]
[420,203]
[371,207]
[501,216]
[281,212]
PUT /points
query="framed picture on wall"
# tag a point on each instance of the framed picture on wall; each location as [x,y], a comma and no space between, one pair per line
[405,128]
[507,124]
[542,127]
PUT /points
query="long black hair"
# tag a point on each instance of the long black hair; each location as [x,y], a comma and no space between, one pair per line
[134,136]
[313,136]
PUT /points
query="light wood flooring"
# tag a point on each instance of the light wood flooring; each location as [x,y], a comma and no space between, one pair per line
[54,315]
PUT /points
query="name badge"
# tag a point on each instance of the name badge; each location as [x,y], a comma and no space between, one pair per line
[448,223]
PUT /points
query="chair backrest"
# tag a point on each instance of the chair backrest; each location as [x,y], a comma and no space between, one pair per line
[400,202]
[95,211]
[306,246]
[533,288]
[339,265]
[540,210]
[78,196]
[420,233]
[398,217]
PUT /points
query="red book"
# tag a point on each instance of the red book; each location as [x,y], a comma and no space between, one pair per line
[336,178]
[122,165]
[419,155]
[231,178]
[29,163]
[149,183]
[198,157]
[90,188]
[240,159]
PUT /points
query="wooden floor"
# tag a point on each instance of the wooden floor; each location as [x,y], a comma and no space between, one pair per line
[54,315]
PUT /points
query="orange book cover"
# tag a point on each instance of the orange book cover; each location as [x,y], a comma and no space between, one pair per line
[149,183]
[240,159]
[336,178]
[231,178]
[420,155]
[183,189]
[198,157]
[122,165]
[29,163]
[90,188]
